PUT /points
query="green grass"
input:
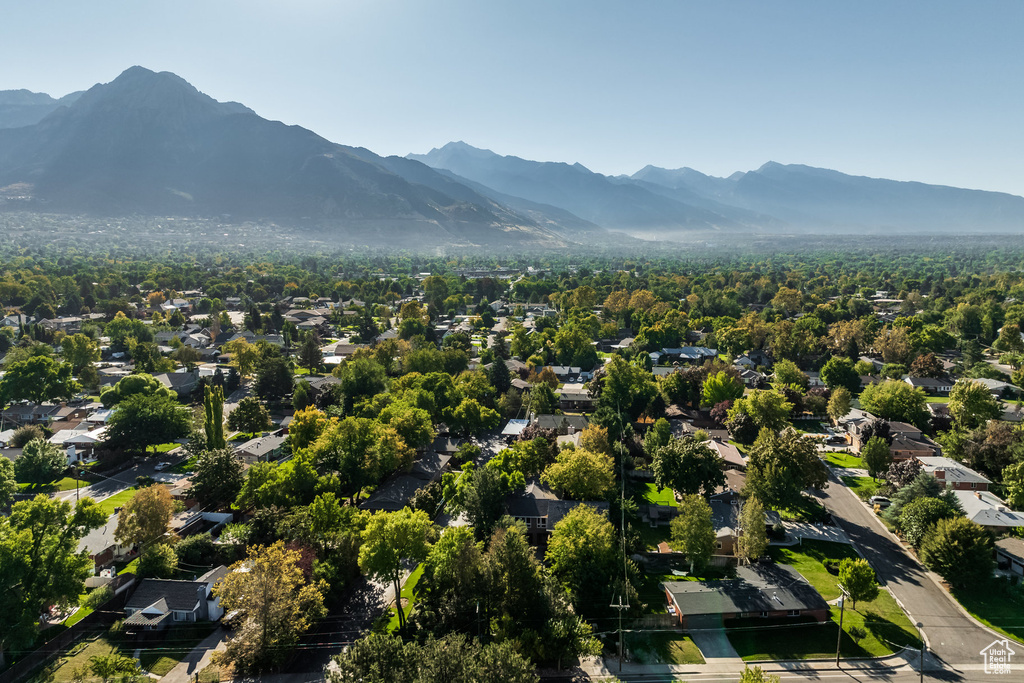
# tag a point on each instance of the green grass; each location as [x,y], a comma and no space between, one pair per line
[164,655]
[652,536]
[887,628]
[864,487]
[842,459]
[663,648]
[807,510]
[651,494]
[185,466]
[116,501]
[998,606]
[937,399]
[165,447]
[65,484]
[409,593]
[80,613]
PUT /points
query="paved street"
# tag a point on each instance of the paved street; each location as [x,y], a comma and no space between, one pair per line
[108,486]
[953,638]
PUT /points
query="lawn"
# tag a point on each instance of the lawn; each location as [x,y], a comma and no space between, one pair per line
[999,606]
[116,501]
[864,487]
[808,510]
[166,447]
[844,459]
[185,466]
[665,496]
[885,627]
[65,484]
[408,592]
[662,648]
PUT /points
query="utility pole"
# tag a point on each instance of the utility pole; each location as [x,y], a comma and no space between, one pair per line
[920,667]
[620,607]
[842,609]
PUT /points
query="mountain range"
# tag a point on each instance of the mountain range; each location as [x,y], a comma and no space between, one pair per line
[151,144]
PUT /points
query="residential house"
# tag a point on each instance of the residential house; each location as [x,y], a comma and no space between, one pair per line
[540,509]
[1010,555]
[264,448]
[731,457]
[101,546]
[987,510]
[953,475]
[759,591]
[181,383]
[159,603]
[683,354]
[931,385]
[998,389]
[561,423]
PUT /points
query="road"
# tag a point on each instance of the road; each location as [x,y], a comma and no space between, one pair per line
[954,640]
[116,483]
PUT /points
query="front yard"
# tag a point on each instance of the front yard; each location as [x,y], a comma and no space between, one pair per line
[880,625]
[864,487]
[662,648]
[115,501]
[998,605]
[844,459]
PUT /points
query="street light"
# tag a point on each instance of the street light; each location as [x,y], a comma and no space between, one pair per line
[842,609]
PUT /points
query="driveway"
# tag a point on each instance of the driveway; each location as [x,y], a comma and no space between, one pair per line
[715,646]
[816,532]
[954,639]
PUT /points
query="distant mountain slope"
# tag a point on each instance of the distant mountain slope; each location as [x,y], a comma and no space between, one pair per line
[150,143]
[591,196]
[811,198]
[25,108]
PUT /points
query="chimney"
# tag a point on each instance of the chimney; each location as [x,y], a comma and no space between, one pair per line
[977,494]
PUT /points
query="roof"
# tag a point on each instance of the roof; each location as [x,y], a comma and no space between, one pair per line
[393,494]
[729,453]
[166,595]
[1014,547]
[578,422]
[986,509]
[954,471]
[928,382]
[445,444]
[429,465]
[757,588]
[537,501]
[261,446]
[177,380]
[514,427]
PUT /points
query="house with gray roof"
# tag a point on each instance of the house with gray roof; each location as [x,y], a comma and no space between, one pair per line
[759,591]
[540,509]
[264,448]
[159,603]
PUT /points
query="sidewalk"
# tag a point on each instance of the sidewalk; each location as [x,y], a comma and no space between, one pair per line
[198,659]
[904,661]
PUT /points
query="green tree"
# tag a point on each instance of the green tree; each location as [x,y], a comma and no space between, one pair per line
[876,455]
[40,564]
[361,451]
[142,421]
[895,400]
[781,466]
[132,385]
[693,531]
[472,418]
[218,477]
[360,376]
[920,515]
[302,396]
[768,409]
[452,583]
[583,554]
[158,561]
[1013,480]
[959,551]
[145,517]
[485,500]
[306,427]
[500,376]
[40,463]
[971,404]
[581,474]
[249,416]
[213,404]
[688,466]
[720,387]
[8,482]
[757,675]
[388,539]
[839,403]
[37,379]
[274,380]
[858,578]
[112,666]
[838,372]
[626,389]
[309,354]
[753,540]
[274,601]
[26,433]
[78,350]
[788,374]
[1010,338]
[412,424]
[927,365]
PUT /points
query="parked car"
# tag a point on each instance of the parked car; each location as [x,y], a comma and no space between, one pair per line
[880,501]
[161,466]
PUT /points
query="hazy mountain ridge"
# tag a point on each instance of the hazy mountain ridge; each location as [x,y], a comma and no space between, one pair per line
[26,108]
[773,197]
[149,143]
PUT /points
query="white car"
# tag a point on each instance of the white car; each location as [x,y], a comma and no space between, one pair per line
[161,466]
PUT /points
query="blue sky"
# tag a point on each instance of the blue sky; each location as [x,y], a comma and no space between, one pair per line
[928,91]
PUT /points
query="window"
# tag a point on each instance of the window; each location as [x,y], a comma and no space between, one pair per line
[974,484]
[180,616]
[793,613]
[719,545]
[542,522]
[764,614]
